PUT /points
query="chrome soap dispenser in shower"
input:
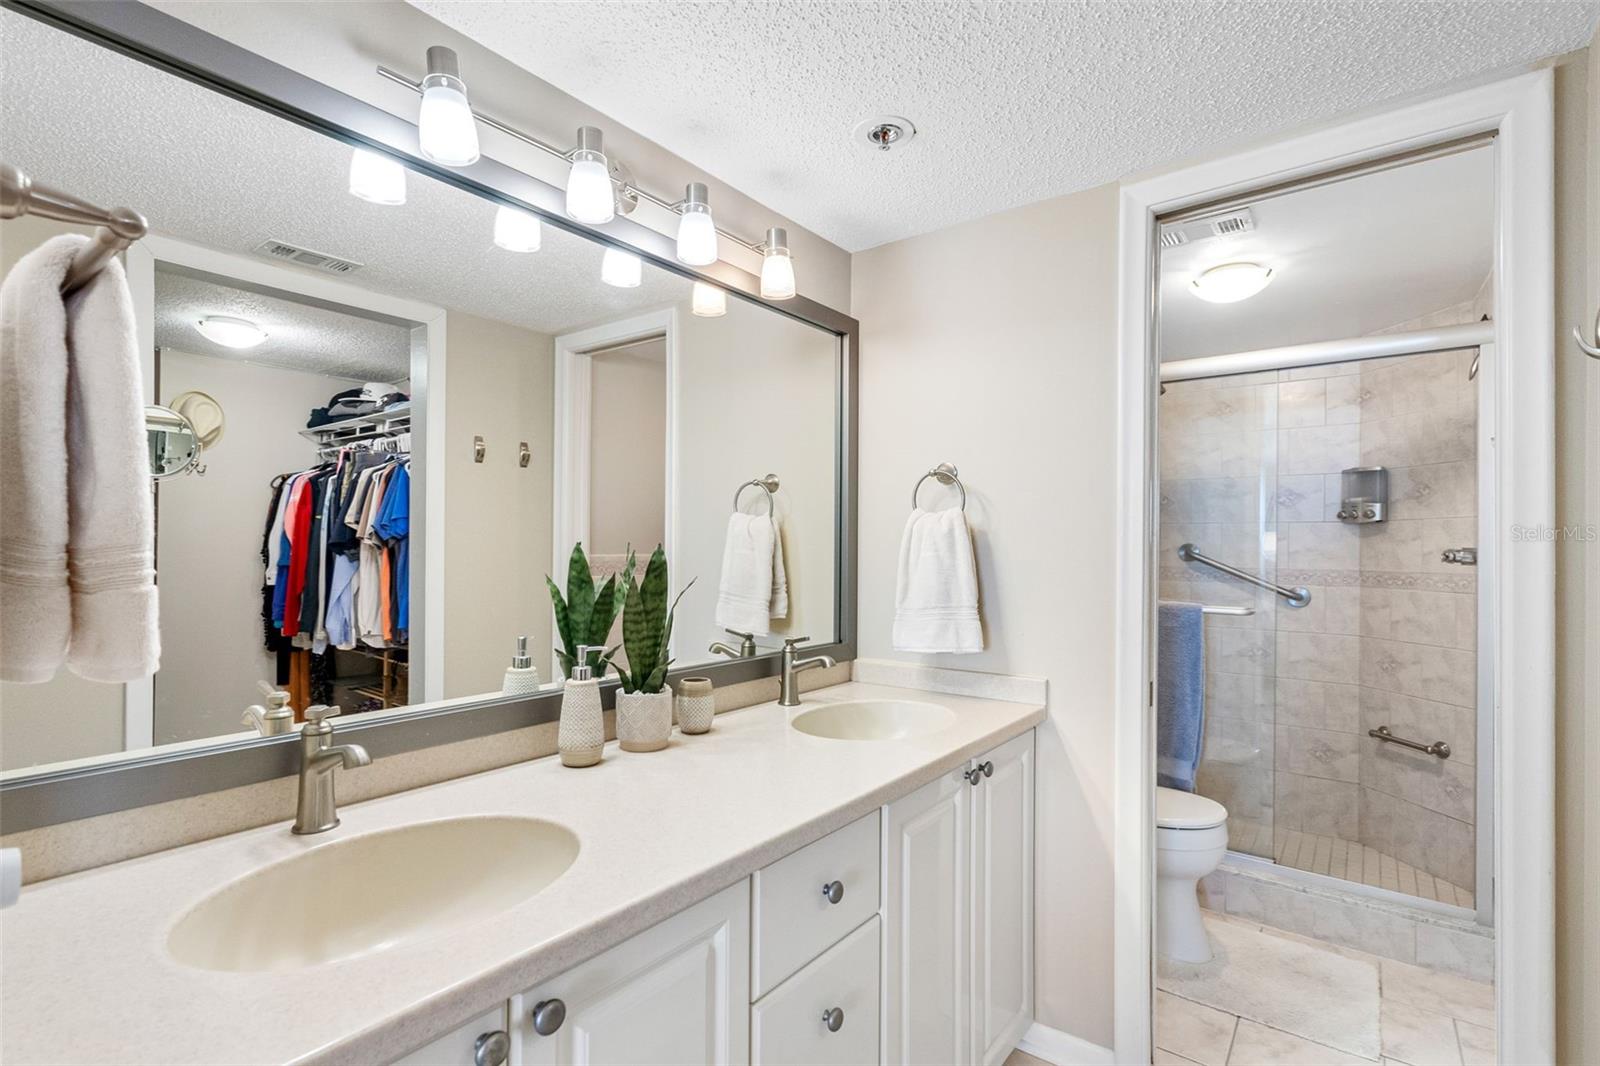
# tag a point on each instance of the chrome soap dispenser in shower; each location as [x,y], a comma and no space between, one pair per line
[1363,495]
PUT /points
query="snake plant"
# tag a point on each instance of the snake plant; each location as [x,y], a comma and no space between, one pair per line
[585,616]
[647,628]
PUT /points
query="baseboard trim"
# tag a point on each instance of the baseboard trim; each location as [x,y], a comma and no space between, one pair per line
[1064,1049]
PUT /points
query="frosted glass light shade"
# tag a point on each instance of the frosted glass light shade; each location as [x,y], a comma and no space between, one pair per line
[622,269]
[231,332]
[777,276]
[589,196]
[377,178]
[697,238]
[1231,282]
[708,301]
[446,131]
[515,230]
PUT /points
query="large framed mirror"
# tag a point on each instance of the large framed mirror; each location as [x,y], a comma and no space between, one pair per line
[434,387]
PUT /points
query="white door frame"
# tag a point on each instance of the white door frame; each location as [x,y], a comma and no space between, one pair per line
[1520,110]
[428,395]
[574,376]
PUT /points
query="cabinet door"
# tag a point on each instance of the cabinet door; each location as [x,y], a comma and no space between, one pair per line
[678,992]
[1002,889]
[927,975]
[827,1014]
[481,1042]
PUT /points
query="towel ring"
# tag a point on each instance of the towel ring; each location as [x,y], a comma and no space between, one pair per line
[769,483]
[944,474]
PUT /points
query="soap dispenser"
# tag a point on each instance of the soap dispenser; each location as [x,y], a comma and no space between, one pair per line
[522,677]
[275,718]
[581,736]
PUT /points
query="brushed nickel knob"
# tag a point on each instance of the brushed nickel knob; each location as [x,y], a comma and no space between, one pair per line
[987,768]
[548,1014]
[492,1049]
[833,1018]
[974,777]
[833,891]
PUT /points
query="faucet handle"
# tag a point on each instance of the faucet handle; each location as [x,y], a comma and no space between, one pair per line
[276,697]
[792,642]
[317,712]
[741,636]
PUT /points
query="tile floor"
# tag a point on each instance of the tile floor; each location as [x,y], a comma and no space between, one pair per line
[1342,858]
[1426,1018]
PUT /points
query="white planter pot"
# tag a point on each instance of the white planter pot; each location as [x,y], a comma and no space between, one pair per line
[644,720]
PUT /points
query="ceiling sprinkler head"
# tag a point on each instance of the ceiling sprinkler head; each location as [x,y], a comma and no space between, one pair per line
[886,132]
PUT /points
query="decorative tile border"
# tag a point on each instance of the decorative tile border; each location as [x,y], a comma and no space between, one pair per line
[1376,579]
[1008,687]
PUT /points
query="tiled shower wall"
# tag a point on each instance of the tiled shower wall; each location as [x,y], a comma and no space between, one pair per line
[1250,473]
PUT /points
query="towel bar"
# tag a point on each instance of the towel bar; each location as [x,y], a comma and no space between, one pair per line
[1438,747]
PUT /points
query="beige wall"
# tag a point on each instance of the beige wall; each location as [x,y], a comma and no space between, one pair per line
[993,345]
[627,438]
[208,548]
[499,384]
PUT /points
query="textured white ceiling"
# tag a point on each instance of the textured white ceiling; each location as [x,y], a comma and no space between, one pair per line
[300,336]
[217,172]
[1013,102]
[1349,258]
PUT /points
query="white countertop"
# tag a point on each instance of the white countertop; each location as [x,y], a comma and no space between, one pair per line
[85,976]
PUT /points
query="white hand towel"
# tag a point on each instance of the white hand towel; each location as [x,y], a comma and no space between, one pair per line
[35,600]
[936,594]
[744,595]
[780,579]
[116,634]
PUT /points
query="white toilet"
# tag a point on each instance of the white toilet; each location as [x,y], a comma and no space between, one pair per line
[1191,837]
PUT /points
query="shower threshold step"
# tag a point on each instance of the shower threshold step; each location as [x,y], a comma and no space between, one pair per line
[1348,859]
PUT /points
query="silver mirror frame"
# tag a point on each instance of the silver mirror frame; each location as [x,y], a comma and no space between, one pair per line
[154,416]
[29,801]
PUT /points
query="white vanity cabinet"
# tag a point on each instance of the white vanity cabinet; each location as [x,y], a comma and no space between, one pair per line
[958,931]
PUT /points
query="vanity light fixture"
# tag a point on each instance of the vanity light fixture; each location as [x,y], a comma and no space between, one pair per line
[622,269]
[231,332]
[516,230]
[1231,282]
[777,267]
[697,233]
[446,130]
[708,301]
[376,178]
[590,197]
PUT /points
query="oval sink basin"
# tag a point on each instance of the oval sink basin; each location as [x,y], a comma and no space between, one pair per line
[371,892]
[873,720]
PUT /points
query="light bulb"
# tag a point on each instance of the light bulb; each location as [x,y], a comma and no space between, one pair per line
[376,178]
[446,131]
[1231,282]
[697,233]
[708,301]
[231,332]
[590,199]
[622,269]
[777,269]
[516,230]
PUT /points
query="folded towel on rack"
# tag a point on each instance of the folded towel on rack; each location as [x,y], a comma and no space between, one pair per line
[751,570]
[1180,693]
[77,530]
[936,591]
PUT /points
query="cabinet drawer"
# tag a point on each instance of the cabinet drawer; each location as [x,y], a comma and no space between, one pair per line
[790,1024]
[794,918]
[461,1047]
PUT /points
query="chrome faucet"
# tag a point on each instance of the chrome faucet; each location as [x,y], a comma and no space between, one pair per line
[788,687]
[745,650]
[319,758]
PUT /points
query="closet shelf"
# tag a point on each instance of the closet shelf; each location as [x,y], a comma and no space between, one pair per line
[386,423]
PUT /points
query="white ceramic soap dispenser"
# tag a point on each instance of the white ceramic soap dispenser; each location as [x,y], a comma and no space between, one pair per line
[522,677]
[581,736]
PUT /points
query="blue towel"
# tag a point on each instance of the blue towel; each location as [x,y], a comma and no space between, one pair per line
[1180,694]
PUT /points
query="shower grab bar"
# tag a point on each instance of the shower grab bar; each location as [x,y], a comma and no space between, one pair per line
[1438,748]
[1296,597]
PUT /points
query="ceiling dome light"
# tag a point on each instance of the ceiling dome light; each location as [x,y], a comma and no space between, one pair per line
[1231,282]
[376,178]
[231,332]
[516,230]
[697,233]
[590,198]
[777,268]
[446,131]
[622,269]
[708,301]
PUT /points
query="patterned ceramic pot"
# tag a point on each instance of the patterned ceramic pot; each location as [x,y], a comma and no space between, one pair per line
[697,706]
[644,720]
